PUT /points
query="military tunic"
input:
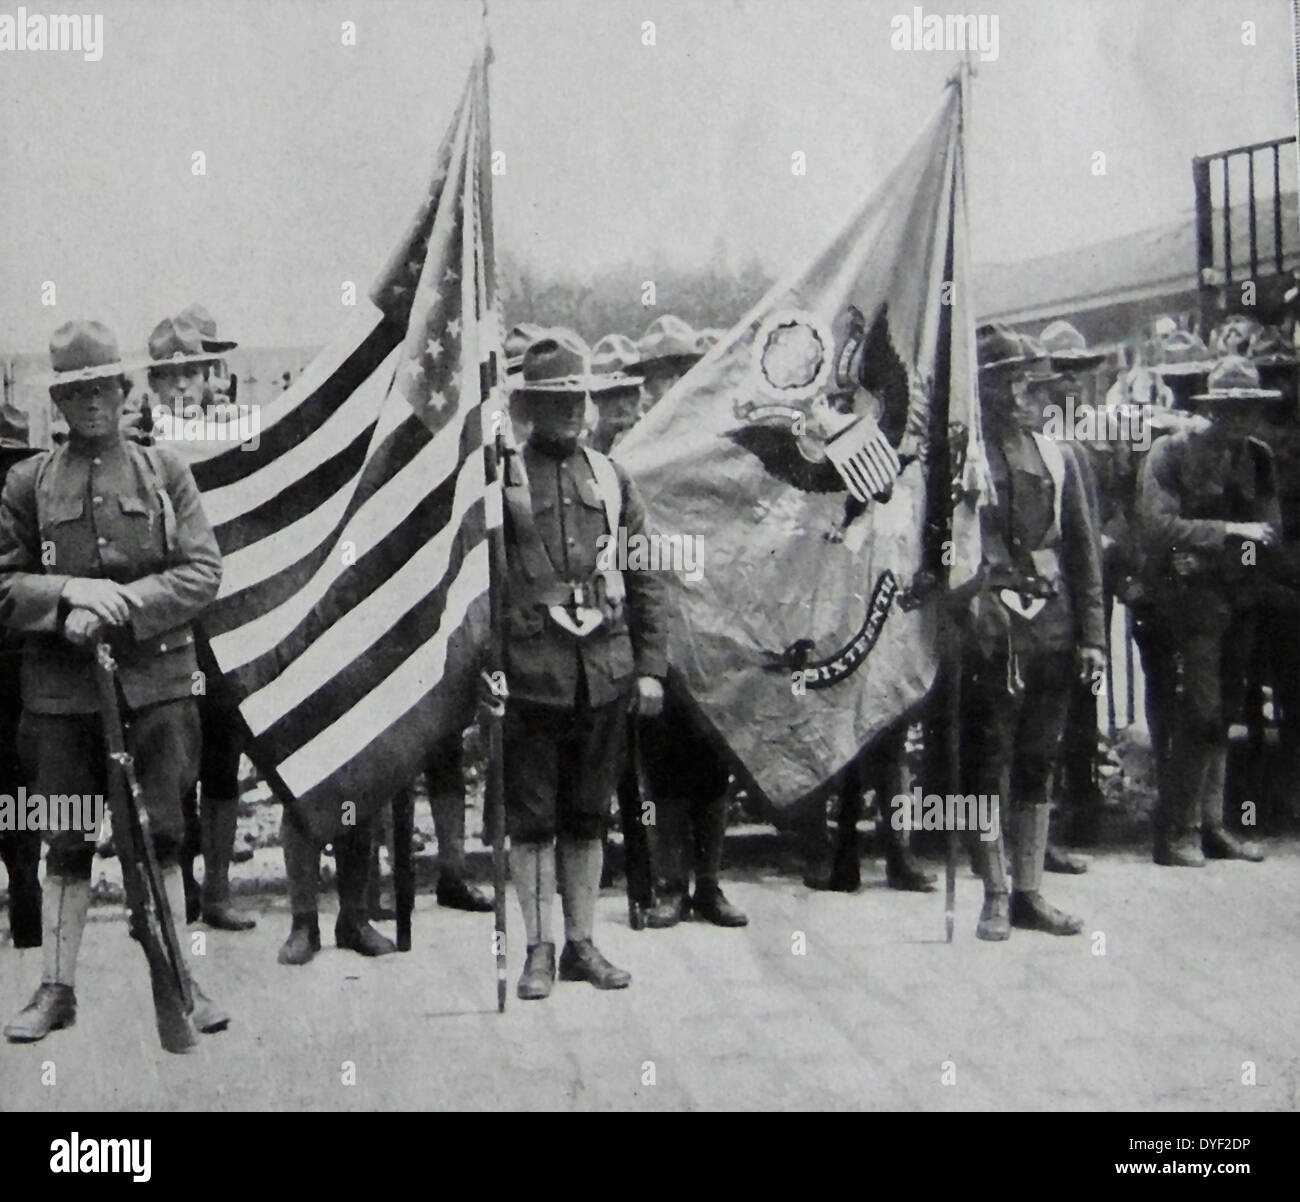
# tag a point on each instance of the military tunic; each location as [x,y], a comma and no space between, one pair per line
[1018,671]
[1194,586]
[565,721]
[131,514]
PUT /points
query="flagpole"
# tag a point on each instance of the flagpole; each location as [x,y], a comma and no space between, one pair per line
[493,709]
[952,640]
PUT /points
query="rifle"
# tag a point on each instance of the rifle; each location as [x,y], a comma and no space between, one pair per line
[403,864]
[638,856]
[151,920]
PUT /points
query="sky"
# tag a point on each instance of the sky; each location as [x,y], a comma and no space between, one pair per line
[615,151]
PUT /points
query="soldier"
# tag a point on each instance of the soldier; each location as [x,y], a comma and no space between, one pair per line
[1183,364]
[687,779]
[1076,391]
[582,641]
[613,359]
[617,404]
[103,539]
[352,929]
[667,351]
[1034,626]
[221,384]
[882,768]
[1207,506]
[178,351]
[520,338]
[684,772]
[20,850]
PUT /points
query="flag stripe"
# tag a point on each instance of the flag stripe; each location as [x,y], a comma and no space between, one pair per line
[346,430]
[421,571]
[271,570]
[349,735]
[296,414]
[384,514]
[380,769]
[301,499]
[296,706]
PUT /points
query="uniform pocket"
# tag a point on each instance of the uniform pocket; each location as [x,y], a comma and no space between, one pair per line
[57,510]
[138,526]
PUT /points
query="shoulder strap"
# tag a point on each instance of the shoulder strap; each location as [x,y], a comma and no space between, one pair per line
[1054,461]
[154,465]
[607,486]
[542,582]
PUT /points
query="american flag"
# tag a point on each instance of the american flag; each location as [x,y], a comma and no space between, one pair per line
[355,597]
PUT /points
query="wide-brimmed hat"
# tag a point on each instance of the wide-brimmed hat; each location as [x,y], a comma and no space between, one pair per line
[1183,354]
[84,350]
[668,341]
[518,340]
[205,323]
[1068,350]
[176,341]
[1000,348]
[558,363]
[611,358]
[15,432]
[1236,378]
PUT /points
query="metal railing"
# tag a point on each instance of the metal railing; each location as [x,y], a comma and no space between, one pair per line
[1210,273]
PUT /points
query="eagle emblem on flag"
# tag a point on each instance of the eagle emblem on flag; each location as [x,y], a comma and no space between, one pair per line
[829,407]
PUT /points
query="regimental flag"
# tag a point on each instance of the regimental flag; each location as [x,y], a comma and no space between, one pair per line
[354,600]
[826,454]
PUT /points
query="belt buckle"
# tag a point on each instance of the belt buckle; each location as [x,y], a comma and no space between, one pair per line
[579,619]
[1027,608]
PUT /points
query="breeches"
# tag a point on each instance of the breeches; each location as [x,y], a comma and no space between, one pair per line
[65,754]
[561,766]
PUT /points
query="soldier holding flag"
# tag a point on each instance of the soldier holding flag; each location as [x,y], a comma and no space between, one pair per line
[1035,625]
[581,643]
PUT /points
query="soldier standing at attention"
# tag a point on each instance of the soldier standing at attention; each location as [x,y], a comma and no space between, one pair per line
[1035,625]
[352,929]
[685,774]
[667,350]
[1207,512]
[582,641]
[103,539]
[179,349]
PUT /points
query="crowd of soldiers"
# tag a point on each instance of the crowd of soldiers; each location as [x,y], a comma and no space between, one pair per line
[1185,528]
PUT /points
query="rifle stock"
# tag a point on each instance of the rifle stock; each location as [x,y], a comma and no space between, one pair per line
[151,921]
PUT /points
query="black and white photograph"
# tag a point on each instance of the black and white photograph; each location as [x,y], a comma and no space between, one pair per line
[649,556]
